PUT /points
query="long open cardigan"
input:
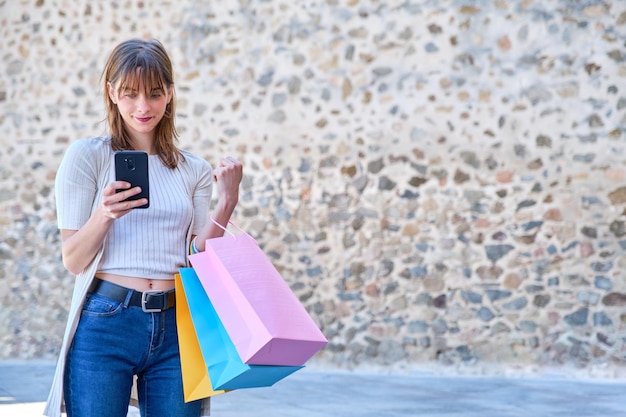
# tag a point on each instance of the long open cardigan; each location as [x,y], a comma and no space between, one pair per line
[102,162]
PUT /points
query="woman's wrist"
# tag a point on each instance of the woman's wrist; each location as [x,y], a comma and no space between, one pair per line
[225,206]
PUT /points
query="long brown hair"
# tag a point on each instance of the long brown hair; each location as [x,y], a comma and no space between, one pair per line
[130,62]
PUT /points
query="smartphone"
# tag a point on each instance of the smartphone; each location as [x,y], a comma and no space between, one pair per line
[132,167]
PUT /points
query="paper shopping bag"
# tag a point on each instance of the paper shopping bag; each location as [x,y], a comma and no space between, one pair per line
[196,379]
[225,368]
[263,317]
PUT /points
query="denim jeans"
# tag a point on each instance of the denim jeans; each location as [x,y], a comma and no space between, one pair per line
[114,342]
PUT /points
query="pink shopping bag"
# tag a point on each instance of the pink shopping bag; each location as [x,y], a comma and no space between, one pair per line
[264,319]
[218,360]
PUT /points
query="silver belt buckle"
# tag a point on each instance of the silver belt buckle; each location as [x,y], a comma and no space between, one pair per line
[144,300]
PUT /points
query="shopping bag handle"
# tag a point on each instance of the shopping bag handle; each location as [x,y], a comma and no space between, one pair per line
[228,231]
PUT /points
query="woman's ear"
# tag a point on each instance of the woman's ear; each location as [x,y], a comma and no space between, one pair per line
[170,93]
[112,92]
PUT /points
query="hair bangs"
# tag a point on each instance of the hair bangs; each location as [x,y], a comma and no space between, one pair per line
[143,73]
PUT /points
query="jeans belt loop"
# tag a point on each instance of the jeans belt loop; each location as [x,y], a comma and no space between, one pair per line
[129,296]
[144,301]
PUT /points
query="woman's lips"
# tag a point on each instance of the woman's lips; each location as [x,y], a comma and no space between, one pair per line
[143,119]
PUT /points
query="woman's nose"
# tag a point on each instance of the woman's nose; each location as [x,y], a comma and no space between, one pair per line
[142,103]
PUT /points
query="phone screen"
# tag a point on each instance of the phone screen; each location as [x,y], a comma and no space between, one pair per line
[132,167]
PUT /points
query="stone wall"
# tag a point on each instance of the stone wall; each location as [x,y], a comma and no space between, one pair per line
[440,182]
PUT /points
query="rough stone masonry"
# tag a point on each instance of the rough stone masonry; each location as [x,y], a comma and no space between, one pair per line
[440,182]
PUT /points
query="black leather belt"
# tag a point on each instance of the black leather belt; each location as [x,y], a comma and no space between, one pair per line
[151,301]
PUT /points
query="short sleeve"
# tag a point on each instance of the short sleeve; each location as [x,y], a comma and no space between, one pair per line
[76,185]
[202,190]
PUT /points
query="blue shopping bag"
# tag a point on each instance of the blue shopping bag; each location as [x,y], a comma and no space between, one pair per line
[226,369]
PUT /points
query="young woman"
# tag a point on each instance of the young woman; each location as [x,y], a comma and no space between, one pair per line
[125,257]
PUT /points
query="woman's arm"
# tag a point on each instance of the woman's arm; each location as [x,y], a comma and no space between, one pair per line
[79,247]
[227,177]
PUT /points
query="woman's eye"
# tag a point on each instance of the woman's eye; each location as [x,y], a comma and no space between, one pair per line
[130,95]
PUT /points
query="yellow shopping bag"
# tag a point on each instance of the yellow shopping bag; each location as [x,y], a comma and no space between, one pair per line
[196,380]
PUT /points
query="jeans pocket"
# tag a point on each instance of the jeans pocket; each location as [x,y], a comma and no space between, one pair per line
[98,305]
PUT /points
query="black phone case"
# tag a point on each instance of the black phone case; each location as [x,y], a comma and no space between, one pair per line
[132,167]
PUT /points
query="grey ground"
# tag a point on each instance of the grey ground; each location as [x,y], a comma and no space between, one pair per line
[320,393]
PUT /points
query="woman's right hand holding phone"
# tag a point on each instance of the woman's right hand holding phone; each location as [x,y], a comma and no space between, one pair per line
[115,203]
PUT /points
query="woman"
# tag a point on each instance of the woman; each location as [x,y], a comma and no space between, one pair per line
[124,255]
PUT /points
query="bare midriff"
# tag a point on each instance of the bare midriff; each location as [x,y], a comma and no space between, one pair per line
[139,284]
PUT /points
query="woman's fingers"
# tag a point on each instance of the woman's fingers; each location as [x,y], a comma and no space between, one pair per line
[114,201]
[229,169]
[229,160]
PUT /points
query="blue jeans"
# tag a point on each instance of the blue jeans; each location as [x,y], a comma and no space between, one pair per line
[114,342]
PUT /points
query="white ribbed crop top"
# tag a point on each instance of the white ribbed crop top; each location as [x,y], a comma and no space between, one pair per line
[148,243]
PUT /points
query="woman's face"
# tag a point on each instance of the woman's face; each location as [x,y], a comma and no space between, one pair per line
[141,111]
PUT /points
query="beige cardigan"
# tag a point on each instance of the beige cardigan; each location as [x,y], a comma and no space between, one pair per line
[101,151]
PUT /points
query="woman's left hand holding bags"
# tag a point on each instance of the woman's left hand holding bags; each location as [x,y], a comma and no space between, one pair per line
[227,176]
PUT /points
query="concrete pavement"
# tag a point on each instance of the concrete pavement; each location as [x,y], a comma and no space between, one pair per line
[322,393]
